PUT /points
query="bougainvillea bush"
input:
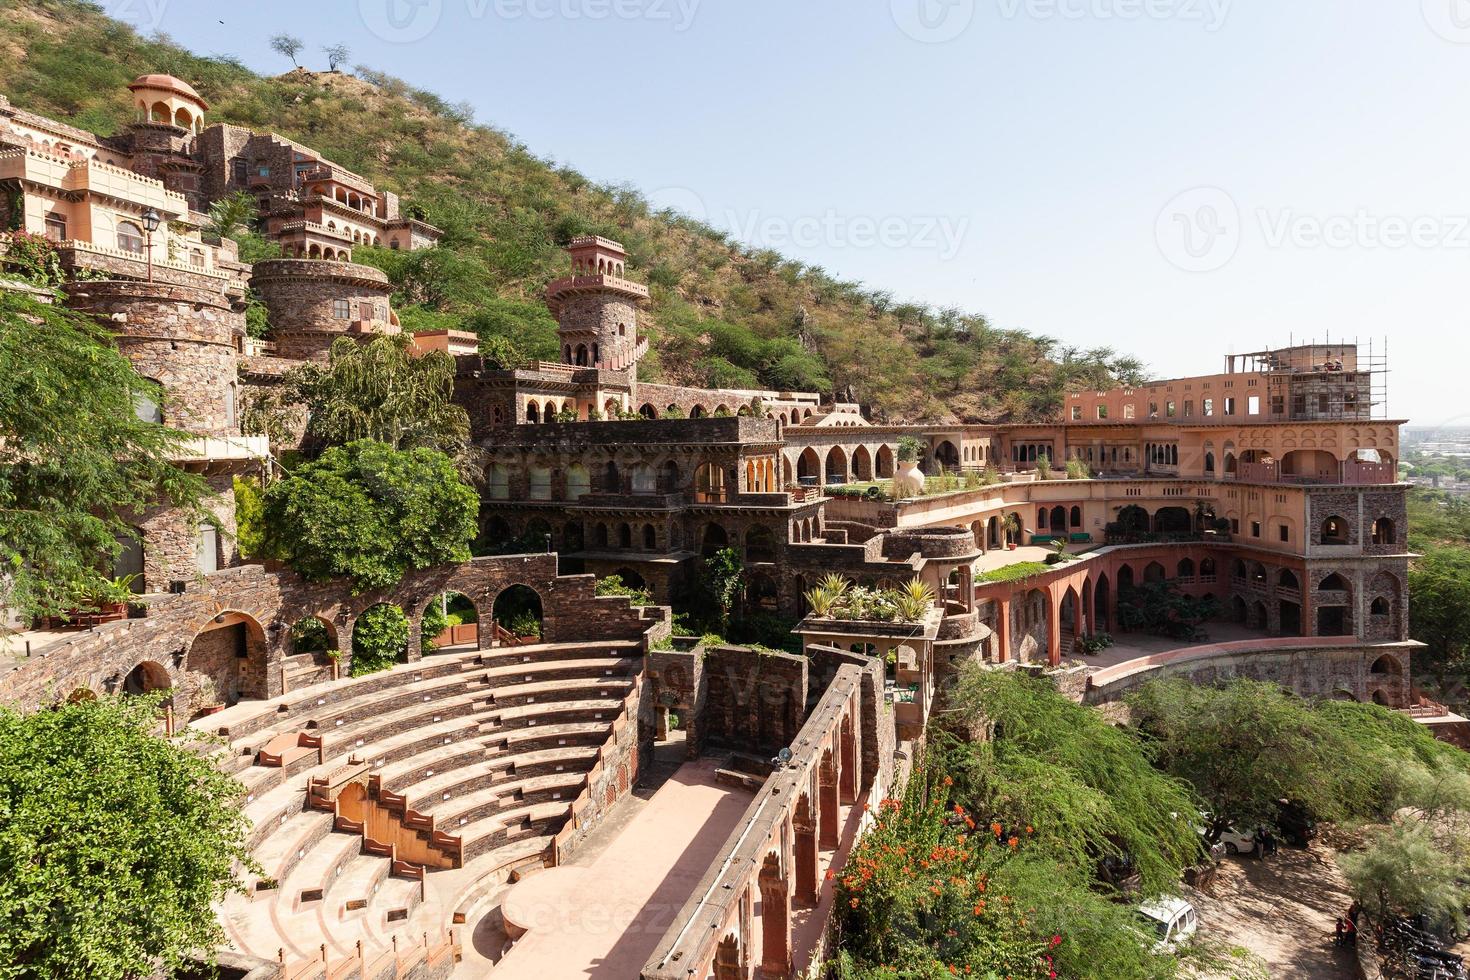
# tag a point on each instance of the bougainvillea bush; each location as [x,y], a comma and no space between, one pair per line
[934,890]
[991,865]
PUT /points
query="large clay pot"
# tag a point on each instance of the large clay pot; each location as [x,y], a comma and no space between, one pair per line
[908,481]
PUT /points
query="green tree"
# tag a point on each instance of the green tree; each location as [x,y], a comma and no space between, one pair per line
[370,512]
[382,391]
[77,461]
[1249,744]
[1406,869]
[114,842]
[288,47]
[1089,788]
[1439,612]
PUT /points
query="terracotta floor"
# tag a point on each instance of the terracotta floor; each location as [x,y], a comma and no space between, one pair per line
[602,916]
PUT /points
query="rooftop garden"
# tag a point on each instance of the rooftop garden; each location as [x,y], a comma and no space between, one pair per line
[835,597]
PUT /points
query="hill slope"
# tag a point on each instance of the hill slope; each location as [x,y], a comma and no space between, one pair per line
[721,314]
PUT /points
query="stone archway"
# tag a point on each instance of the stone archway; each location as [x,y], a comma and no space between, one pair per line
[225,663]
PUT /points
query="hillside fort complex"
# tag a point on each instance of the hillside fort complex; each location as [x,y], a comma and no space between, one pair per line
[463,809]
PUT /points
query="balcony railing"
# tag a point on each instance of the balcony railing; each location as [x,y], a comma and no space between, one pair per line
[1351,472]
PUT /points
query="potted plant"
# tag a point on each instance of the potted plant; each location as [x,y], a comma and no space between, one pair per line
[109,598]
[1012,525]
[206,697]
[908,479]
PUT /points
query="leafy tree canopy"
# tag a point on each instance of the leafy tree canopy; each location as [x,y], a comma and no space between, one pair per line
[380,391]
[77,461]
[1089,787]
[370,512]
[1247,745]
[113,843]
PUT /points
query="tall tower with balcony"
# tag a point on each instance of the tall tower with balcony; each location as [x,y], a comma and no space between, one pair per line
[169,116]
[596,307]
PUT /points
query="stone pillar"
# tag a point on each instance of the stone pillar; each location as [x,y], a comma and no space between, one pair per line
[827,801]
[775,919]
[1003,630]
[808,869]
[1054,631]
[847,768]
[727,959]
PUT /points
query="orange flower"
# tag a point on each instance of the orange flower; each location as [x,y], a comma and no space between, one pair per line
[948,781]
[1014,842]
[831,874]
[995,829]
[853,903]
[980,907]
[960,839]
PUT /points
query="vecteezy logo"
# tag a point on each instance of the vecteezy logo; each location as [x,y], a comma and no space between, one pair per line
[933,21]
[400,21]
[1199,230]
[1450,19]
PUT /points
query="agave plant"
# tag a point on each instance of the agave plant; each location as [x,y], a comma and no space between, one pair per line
[835,584]
[821,601]
[911,608]
[918,590]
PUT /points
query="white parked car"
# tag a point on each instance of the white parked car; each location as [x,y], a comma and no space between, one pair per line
[1238,841]
[1168,921]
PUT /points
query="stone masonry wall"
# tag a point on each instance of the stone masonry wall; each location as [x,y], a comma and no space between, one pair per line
[755,702]
[100,659]
[301,295]
[181,337]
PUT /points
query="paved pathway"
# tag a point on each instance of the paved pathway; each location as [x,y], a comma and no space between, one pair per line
[602,915]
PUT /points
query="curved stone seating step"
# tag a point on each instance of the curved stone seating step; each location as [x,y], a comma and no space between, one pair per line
[396,698]
[517,740]
[293,840]
[448,784]
[538,762]
[403,776]
[453,815]
[573,688]
[548,653]
[490,870]
[313,876]
[545,713]
[360,881]
[259,780]
[241,720]
[527,673]
[394,903]
[508,826]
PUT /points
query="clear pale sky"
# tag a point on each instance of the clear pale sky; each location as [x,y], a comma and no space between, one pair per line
[1172,178]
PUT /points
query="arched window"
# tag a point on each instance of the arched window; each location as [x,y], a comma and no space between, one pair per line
[130,238]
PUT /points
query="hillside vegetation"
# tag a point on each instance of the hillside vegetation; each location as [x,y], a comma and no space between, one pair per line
[721,314]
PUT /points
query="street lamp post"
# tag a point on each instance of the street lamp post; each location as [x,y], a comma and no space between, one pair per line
[151,221]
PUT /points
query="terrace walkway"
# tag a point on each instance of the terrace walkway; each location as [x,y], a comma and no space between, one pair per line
[602,915]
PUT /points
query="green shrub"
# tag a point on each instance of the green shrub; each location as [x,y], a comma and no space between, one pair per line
[379,639]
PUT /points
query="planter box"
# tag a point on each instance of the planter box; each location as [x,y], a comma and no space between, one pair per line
[455,635]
